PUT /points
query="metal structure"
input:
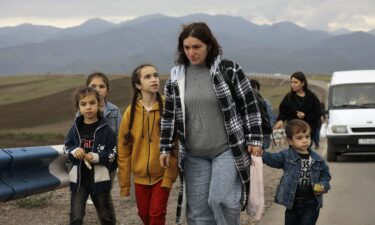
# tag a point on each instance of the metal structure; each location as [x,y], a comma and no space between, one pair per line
[31,170]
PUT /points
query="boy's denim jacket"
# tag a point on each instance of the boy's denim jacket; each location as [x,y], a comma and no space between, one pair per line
[290,162]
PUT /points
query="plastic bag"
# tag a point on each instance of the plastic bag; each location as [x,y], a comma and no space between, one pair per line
[255,205]
[323,130]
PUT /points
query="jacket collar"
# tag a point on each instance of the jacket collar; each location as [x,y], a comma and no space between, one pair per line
[155,106]
[102,121]
[295,156]
[178,72]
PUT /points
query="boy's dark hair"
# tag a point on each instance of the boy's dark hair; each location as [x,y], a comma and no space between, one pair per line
[136,94]
[83,92]
[296,126]
[202,32]
[255,84]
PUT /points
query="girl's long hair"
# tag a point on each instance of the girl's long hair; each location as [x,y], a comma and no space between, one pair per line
[137,94]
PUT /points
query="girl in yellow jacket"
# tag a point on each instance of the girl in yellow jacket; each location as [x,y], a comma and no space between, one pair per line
[138,148]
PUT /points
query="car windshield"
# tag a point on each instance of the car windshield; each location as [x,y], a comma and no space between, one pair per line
[353,96]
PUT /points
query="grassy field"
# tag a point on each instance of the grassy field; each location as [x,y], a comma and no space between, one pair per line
[38,110]
[43,105]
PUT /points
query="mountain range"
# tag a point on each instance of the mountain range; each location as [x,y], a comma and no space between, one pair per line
[99,45]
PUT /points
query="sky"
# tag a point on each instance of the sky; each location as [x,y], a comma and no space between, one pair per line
[327,15]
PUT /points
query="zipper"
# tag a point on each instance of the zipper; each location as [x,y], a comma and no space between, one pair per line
[92,172]
[149,147]
[80,161]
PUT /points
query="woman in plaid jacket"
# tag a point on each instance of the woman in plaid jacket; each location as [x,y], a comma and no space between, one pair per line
[215,130]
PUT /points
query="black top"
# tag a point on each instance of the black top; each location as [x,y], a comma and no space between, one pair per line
[309,104]
[86,132]
[304,188]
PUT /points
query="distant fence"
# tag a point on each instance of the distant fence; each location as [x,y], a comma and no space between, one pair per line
[31,170]
[279,137]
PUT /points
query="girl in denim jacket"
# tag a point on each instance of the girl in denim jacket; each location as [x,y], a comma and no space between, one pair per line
[305,179]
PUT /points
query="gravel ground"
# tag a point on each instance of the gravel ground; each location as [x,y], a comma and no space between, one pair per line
[57,211]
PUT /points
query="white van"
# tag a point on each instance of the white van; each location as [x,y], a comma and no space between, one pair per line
[351,113]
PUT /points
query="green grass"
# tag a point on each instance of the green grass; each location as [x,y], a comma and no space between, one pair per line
[321,77]
[43,104]
[55,108]
[275,94]
[22,88]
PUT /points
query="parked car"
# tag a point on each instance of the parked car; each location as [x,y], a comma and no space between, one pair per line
[351,113]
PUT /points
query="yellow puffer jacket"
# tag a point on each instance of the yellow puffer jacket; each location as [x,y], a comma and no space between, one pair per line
[141,156]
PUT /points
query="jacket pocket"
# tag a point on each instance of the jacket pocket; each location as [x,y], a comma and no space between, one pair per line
[73,174]
[101,174]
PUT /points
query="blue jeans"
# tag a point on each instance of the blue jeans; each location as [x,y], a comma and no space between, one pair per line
[304,212]
[213,190]
[102,202]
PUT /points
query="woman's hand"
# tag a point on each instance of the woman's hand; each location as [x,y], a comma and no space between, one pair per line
[300,115]
[255,150]
[278,125]
[164,160]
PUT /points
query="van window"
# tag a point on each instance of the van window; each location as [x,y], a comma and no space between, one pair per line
[353,96]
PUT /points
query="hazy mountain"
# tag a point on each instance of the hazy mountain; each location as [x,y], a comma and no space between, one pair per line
[100,45]
[90,27]
[341,31]
[28,33]
[358,48]
[25,33]
[142,19]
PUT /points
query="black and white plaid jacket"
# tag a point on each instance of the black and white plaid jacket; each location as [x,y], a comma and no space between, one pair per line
[242,122]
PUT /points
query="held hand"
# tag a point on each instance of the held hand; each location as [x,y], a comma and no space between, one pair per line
[164,160]
[80,154]
[318,189]
[89,157]
[278,125]
[255,150]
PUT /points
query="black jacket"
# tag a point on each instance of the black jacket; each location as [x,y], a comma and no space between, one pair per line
[310,105]
[105,148]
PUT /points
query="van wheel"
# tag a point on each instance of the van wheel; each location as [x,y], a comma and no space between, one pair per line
[331,154]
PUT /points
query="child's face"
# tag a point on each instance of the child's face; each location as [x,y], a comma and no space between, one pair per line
[98,84]
[149,79]
[88,107]
[300,141]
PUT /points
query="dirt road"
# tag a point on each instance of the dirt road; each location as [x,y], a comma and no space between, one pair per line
[57,212]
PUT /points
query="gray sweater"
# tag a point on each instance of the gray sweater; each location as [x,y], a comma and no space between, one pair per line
[205,131]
